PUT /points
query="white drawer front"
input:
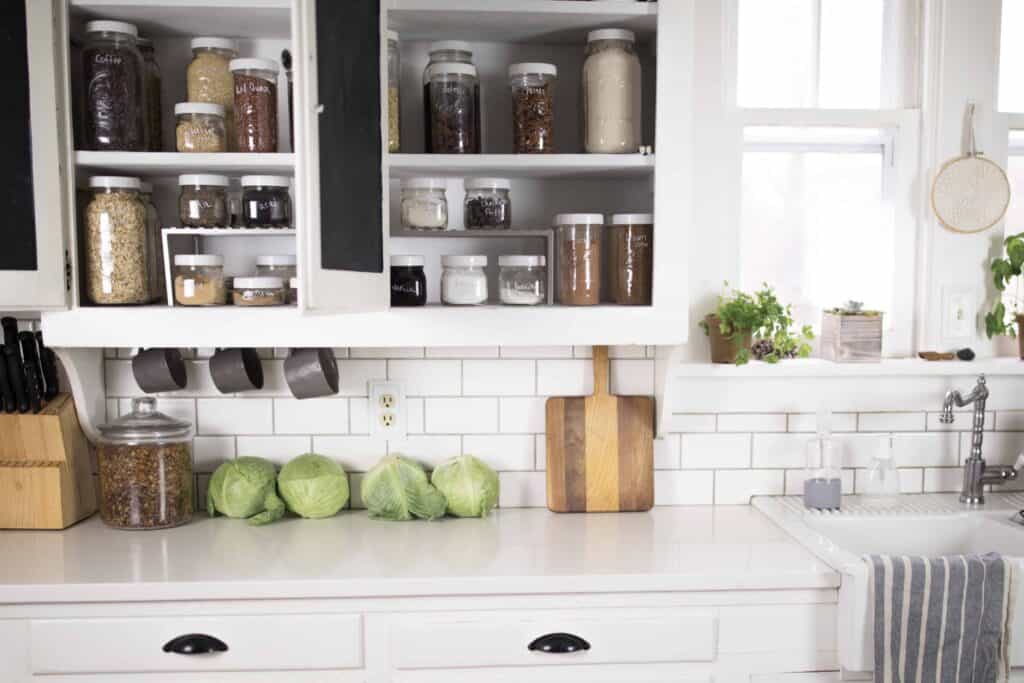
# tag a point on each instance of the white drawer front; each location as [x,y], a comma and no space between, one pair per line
[502,638]
[265,642]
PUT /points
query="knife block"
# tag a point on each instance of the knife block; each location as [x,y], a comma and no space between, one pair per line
[45,474]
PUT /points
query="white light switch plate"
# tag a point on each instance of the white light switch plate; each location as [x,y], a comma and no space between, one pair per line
[387,410]
[959,313]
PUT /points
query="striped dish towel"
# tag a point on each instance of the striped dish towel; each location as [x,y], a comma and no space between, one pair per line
[941,620]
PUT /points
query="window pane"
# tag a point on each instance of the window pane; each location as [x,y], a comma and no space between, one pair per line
[817,227]
[851,54]
[1015,213]
[1011,58]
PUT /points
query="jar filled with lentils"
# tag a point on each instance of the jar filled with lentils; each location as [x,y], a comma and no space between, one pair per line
[199,127]
[145,468]
[255,104]
[154,116]
[533,107]
[114,75]
[209,79]
[202,202]
[116,243]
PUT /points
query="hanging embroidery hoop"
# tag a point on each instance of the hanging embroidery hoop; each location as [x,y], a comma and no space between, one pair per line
[970,193]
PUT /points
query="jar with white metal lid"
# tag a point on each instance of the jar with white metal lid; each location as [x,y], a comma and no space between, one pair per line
[266,202]
[463,279]
[202,200]
[522,279]
[533,107]
[578,251]
[487,205]
[629,242]
[117,242]
[208,78]
[258,291]
[451,98]
[199,127]
[199,280]
[114,73]
[255,104]
[611,93]
[424,204]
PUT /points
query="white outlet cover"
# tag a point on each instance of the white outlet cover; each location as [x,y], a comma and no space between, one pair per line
[377,412]
[959,313]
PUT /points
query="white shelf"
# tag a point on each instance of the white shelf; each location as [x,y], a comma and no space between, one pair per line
[174,163]
[231,232]
[890,367]
[522,165]
[157,18]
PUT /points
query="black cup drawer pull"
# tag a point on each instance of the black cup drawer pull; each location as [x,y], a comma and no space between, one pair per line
[195,644]
[559,643]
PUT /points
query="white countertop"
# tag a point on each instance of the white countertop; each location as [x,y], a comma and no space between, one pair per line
[514,551]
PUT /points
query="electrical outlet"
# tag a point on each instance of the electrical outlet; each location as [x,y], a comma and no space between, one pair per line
[387,410]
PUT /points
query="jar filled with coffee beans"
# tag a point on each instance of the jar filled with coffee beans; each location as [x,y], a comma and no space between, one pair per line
[533,107]
[202,201]
[451,97]
[266,202]
[117,243]
[487,205]
[114,75]
[145,469]
[255,104]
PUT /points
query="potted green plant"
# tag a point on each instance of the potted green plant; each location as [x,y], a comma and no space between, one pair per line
[999,321]
[740,318]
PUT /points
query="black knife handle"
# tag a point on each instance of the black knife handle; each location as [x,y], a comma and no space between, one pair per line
[7,401]
[48,362]
[33,388]
[16,376]
[10,326]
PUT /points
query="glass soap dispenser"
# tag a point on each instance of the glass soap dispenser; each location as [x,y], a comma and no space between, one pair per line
[823,483]
[882,487]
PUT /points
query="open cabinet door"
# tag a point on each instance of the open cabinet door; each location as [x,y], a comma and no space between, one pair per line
[339,165]
[33,116]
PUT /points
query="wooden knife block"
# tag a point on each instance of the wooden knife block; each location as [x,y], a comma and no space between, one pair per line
[45,474]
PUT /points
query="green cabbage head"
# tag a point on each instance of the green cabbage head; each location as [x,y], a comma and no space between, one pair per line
[313,486]
[398,489]
[469,484]
[244,488]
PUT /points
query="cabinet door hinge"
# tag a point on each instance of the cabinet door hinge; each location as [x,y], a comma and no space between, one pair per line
[67,271]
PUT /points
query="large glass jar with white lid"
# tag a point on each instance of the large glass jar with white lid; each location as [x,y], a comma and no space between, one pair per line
[522,279]
[154,110]
[487,205]
[578,251]
[208,78]
[114,88]
[533,107]
[117,242]
[459,52]
[394,75]
[451,100]
[255,104]
[424,204]
[463,279]
[611,93]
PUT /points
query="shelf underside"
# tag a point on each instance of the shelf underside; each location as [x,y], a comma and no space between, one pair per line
[175,163]
[522,165]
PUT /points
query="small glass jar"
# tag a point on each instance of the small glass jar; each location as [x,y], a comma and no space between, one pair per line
[394,75]
[199,127]
[424,204]
[202,201]
[630,259]
[578,251]
[258,291]
[451,100]
[487,205]
[154,231]
[208,78]
[278,265]
[459,52]
[266,202]
[199,280]
[463,280]
[154,113]
[408,281]
[533,107]
[114,88]
[255,104]
[522,280]
[611,93]
[145,469]
[293,291]
[117,243]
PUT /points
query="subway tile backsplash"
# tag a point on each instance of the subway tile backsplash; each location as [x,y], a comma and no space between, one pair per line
[727,439]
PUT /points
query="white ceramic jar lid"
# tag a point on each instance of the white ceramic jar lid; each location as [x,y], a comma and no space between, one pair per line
[611,34]
[450,46]
[487,184]
[115,181]
[198,260]
[259,283]
[532,68]
[632,219]
[103,26]
[464,261]
[457,68]
[214,42]
[579,219]
[208,108]
[424,183]
[203,179]
[276,260]
[407,260]
[253,63]
[265,181]
[522,260]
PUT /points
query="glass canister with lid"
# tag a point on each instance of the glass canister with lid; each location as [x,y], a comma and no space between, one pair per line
[533,107]
[202,201]
[463,280]
[255,104]
[117,240]
[578,251]
[145,469]
[114,75]
[611,93]
[522,279]
[154,113]
[208,78]
[199,127]
[278,265]
[155,244]
[259,291]
[394,75]
[459,52]
[199,280]
[629,242]
[451,98]
[424,204]
[487,205]
[408,281]
[266,202]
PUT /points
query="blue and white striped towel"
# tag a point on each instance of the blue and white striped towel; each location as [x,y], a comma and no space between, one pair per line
[941,620]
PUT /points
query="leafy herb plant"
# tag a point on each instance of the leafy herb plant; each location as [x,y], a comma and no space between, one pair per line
[768,319]
[1004,270]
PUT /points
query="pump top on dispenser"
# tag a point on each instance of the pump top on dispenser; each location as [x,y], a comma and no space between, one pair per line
[882,487]
[823,485]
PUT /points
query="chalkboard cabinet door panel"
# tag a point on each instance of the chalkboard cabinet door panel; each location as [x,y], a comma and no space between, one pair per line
[33,221]
[339,105]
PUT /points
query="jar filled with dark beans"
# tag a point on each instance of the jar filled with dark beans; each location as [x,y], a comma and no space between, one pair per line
[202,202]
[533,107]
[487,205]
[145,469]
[114,75]
[408,281]
[451,97]
[266,202]
[255,104]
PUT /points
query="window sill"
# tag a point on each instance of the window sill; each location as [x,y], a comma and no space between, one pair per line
[888,367]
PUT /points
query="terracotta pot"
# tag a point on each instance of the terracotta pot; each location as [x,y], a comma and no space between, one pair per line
[724,349]
[1020,335]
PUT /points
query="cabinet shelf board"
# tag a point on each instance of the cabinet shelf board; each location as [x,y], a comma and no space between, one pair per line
[526,21]
[158,18]
[522,165]
[231,232]
[472,234]
[174,163]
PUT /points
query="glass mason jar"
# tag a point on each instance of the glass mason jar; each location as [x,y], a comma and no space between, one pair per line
[424,204]
[629,244]
[199,127]
[408,281]
[487,205]
[277,265]
[463,280]
[145,469]
[451,98]
[266,202]
[259,291]
[451,51]
[578,251]
[154,115]
[155,244]
[199,280]
[522,280]
[611,93]
[394,75]
[114,75]
[202,202]
[255,104]
[209,79]
[533,107]
[116,242]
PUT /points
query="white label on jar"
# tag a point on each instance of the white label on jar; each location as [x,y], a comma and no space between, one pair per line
[463,288]
[189,287]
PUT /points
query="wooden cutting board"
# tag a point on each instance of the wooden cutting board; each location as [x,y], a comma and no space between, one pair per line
[600,449]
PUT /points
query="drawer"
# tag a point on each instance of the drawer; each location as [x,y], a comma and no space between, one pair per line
[255,643]
[503,638]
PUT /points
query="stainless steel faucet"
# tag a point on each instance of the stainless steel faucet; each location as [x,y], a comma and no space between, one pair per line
[976,473]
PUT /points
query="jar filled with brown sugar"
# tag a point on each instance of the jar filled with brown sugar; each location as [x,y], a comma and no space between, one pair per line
[629,242]
[578,253]
[255,104]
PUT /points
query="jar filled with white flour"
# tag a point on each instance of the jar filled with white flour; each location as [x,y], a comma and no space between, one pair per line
[611,93]
[424,204]
[463,279]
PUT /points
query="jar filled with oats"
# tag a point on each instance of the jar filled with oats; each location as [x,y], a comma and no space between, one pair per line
[116,243]
[209,79]
[199,127]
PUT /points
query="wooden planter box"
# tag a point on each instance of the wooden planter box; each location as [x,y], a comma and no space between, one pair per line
[45,476]
[851,338]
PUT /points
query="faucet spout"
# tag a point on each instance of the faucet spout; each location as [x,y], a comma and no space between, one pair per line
[975,475]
